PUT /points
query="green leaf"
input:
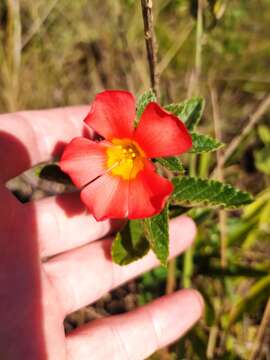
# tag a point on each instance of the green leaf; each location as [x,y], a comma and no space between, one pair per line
[203,143]
[190,191]
[189,111]
[264,134]
[157,233]
[129,244]
[172,163]
[262,160]
[144,100]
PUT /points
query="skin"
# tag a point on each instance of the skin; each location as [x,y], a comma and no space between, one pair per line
[55,259]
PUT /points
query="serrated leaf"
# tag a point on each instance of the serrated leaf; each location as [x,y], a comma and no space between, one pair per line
[190,191]
[157,233]
[143,101]
[203,143]
[189,111]
[172,163]
[129,244]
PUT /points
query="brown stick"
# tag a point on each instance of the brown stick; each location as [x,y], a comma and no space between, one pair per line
[261,333]
[253,119]
[220,156]
[150,43]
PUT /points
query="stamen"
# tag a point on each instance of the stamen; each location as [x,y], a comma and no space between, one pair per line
[125,158]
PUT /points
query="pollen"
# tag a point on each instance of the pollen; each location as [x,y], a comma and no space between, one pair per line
[125,158]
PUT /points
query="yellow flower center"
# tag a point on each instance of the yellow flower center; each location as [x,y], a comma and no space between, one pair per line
[125,158]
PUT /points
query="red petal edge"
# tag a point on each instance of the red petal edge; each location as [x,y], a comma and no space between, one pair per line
[83,160]
[148,193]
[112,114]
[161,133]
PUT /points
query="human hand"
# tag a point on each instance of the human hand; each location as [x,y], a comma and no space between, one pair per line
[36,295]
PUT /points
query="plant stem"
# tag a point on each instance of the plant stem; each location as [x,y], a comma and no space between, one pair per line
[258,344]
[12,54]
[192,164]
[221,213]
[171,277]
[188,267]
[211,346]
[204,164]
[150,43]
[188,256]
[199,35]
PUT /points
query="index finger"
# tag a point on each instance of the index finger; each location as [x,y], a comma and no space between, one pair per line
[30,137]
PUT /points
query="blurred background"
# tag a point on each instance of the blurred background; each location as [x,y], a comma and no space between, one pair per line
[60,52]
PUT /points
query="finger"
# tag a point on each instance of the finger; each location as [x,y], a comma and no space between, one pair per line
[30,137]
[138,334]
[83,275]
[63,223]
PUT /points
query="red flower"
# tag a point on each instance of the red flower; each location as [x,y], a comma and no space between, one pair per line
[116,176]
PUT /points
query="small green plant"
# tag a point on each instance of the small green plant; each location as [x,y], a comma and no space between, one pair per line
[139,236]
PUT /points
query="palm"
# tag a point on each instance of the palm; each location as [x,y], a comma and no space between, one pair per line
[36,295]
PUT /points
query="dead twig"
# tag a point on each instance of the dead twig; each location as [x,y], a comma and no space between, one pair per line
[220,156]
[253,120]
[258,344]
[150,42]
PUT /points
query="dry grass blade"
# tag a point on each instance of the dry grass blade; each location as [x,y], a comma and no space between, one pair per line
[258,344]
[38,23]
[12,55]
[168,57]
[253,120]
[220,155]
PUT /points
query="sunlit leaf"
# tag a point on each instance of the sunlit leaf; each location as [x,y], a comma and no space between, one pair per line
[172,163]
[189,111]
[203,143]
[143,101]
[190,191]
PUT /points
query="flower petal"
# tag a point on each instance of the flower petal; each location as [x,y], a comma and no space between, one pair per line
[83,160]
[112,114]
[106,197]
[148,193]
[160,133]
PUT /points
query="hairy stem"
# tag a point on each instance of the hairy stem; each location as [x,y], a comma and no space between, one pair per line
[150,42]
